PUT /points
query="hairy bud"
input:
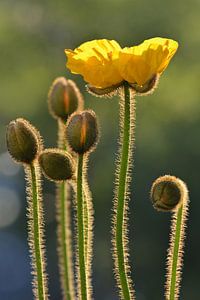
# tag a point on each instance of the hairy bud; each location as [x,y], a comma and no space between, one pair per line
[64,98]
[56,164]
[166,193]
[23,141]
[82,131]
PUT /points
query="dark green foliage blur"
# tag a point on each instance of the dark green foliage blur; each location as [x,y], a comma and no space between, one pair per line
[33,36]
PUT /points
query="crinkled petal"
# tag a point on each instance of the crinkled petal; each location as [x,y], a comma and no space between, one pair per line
[140,63]
[96,62]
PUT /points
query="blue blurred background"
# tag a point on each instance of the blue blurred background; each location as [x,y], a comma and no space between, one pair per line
[33,36]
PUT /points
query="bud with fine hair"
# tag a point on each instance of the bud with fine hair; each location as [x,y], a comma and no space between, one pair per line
[23,141]
[167,193]
[170,194]
[56,164]
[82,131]
[64,98]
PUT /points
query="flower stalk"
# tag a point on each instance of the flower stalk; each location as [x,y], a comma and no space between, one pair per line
[64,235]
[176,249]
[58,166]
[64,98]
[82,134]
[36,231]
[24,144]
[64,230]
[120,239]
[170,194]
[88,223]
[81,233]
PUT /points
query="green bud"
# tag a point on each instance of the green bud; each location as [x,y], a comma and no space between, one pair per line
[64,98]
[56,164]
[147,88]
[23,141]
[82,131]
[166,193]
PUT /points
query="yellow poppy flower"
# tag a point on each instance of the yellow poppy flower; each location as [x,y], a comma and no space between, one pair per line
[141,63]
[96,62]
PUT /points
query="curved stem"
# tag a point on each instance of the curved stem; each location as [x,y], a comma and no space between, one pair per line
[35,224]
[121,205]
[80,226]
[176,251]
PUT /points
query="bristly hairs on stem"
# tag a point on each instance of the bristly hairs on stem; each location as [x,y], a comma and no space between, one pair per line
[176,248]
[80,251]
[122,182]
[64,238]
[170,193]
[88,215]
[64,228]
[58,166]
[82,133]
[61,142]
[63,99]
[89,224]
[24,144]
[36,241]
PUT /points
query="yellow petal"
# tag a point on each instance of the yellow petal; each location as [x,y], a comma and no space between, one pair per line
[140,63]
[96,62]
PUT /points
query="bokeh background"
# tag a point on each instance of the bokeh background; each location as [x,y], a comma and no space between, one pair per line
[33,36]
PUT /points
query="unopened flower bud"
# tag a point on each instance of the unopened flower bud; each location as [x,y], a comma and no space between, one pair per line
[64,98]
[23,141]
[146,88]
[56,164]
[167,193]
[82,131]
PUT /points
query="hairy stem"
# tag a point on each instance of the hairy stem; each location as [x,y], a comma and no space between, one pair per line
[64,239]
[127,116]
[36,231]
[85,211]
[81,233]
[175,253]
[88,223]
[64,229]
[176,249]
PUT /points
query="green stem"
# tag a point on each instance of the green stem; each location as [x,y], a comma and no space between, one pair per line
[121,205]
[86,216]
[64,228]
[65,242]
[88,228]
[37,241]
[175,255]
[81,235]
[176,248]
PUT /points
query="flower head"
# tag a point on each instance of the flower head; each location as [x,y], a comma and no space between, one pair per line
[96,62]
[105,65]
[141,63]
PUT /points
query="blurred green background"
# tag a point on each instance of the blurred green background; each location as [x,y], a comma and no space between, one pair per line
[33,36]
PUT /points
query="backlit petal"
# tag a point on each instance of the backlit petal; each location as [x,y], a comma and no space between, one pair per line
[96,62]
[140,63]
